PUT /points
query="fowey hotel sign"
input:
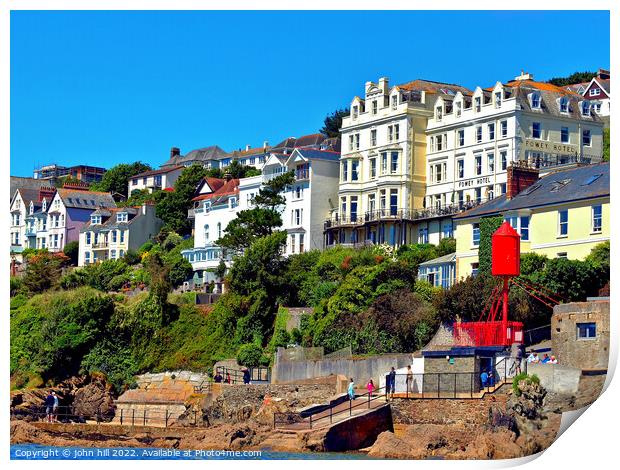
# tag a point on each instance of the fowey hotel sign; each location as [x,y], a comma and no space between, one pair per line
[550,147]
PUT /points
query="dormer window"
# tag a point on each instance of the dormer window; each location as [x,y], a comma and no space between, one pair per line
[95,219]
[477,104]
[595,92]
[394,101]
[458,107]
[535,101]
[585,108]
[438,113]
[122,217]
[564,105]
[355,111]
[498,99]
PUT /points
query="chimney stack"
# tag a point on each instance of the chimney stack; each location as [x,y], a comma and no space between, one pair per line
[519,177]
[247,147]
[524,76]
[603,74]
[383,85]
[265,144]
[46,192]
[175,152]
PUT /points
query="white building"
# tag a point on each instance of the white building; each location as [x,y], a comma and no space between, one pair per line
[112,231]
[472,138]
[383,164]
[28,218]
[155,179]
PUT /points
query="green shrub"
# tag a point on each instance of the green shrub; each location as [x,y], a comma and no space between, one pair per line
[249,355]
[131,258]
[71,251]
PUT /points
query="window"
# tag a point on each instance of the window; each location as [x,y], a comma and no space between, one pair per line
[563,223]
[114,236]
[423,235]
[113,254]
[219,230]
[384,163]
[438,113]
[87,257]
[564,105]
[479,134]
[382,201]
[478,195]
[352,212]
[293,243]
[373,137]
[122,217]
[498,99]
[233,202]
[461,137]
[447,230]
[371,203]
[394,101]
[562,254]
[597,218]
[373,168]
[432,144]
[460,168]
[357,141]
[206,232]
[440,142]
[438,173]
[301,242]
[536,130]
[375,107]
[490,193]
[585,108]
[586,330]
[396,131]
[535,101]
[476,234]
[491,163]
[355,111]
[477,104]
[491,127]
[355,170]
[351,142]
[564,138]
[390,133]
[299,214]
[393,201]
[503,156]
[458,106]
[343,205]
[525,227]
[95,219]
[474,269]
[88,238]
[586,138]
[478,164]
[503,128]
[394,167]
[345,170]
[595,92]
[298,192]
[121,253]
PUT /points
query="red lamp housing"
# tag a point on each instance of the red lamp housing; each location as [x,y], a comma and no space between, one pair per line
[505,252]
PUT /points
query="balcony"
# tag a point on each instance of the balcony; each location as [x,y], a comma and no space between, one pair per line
[412,215]
[555,161]
[100,245]
[31,232]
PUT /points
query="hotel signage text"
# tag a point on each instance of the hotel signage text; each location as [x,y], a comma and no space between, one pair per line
[550,147]
[474,182]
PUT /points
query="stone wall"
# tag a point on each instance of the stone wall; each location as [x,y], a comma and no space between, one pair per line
[556,378]
[448,411]
[440,374]
[294,316]
[359,369]
[238,403]
[585,354]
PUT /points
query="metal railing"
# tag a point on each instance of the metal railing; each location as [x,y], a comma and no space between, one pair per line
[99,245]
[235,376]
[402,214]
[123,417]
[303,420]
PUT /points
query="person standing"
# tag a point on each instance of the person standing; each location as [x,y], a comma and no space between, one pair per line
[392,387]
[49,407]
[246,376]
[55,407]
[218,377]
[370,386]
[351,390]
[409,381]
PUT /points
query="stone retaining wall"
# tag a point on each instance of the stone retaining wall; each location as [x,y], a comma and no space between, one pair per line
[447,411]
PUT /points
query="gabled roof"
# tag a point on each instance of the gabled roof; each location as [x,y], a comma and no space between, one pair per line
[449,258]
[313,154]
[228,188]
[560,187]
[85,199]
[109,218]
[602,83]
[204,154]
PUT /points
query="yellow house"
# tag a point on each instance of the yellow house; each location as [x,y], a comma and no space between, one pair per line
[564,214]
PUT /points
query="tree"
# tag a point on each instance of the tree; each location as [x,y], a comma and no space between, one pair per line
[333,122]
[71,251]
[576,77]
[172,206]
[138,197]
[116,179]
[249,355]
[260,221]
[44,270]
[606,144]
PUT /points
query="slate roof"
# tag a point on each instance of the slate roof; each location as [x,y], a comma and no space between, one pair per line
[212,152]
[430,86]
[228,188]
[29,194]
[290,143]
[161,171]
[449,258]
[560,187]
[86,199]
[109,219]
[21,182]
[313,154]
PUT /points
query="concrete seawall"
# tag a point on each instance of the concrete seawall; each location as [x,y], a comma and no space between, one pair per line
[556,377]
[359,369]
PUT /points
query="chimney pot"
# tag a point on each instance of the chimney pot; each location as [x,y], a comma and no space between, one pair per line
[175,152]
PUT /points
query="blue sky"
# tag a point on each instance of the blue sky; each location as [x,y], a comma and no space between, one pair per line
[102,88]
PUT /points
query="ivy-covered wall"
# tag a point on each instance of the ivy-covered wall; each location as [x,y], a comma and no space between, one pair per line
[488,225]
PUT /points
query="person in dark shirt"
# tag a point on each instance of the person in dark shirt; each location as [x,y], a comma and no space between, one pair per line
[246,376]
[49,407]
[218,378]
[392,387]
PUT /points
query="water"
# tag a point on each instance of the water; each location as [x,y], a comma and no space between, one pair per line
[41,452]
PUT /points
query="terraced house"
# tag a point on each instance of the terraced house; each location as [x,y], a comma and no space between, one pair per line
[112,231]
[474,137]
[563,214]
[381,195]
[29,217]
